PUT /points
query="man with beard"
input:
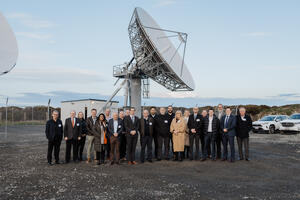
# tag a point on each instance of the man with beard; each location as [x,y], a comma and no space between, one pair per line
[170,116]
[219,113]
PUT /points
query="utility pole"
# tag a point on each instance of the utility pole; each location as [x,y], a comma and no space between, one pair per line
[48,116]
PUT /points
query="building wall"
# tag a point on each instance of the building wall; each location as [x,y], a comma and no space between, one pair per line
[67,107]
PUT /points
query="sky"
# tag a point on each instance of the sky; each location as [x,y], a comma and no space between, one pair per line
[238,51]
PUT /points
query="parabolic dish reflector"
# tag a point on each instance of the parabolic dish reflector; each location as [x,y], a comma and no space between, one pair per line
[8,47]
[166,65]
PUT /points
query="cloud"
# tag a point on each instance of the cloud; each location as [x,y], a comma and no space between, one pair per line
[32,35]
[280,67]
[28,20]
[257,34]
[162,3]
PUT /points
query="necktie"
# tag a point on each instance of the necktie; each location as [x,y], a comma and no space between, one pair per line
[195,117]
[132,118]
[73,122]
[226,121]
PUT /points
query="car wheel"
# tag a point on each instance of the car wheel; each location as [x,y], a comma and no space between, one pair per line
[272,129]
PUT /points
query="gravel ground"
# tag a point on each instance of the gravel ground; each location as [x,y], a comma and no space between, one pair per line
[272,173]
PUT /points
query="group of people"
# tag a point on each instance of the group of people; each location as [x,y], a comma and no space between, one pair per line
[176,136]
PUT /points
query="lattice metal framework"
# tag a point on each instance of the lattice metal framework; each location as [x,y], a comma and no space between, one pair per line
[148,61]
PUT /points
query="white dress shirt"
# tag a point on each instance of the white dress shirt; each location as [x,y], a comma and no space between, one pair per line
[210,119]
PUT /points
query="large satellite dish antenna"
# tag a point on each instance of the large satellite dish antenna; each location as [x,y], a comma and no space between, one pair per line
[154,57]
[8,47]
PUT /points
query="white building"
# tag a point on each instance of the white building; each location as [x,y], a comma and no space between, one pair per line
[85,106]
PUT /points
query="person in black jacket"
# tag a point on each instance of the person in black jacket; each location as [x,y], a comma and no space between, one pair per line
[54,134]
[243,127]
[132,124]
[72,133]
[163,130]
[211,125]
[122,138]
[171,116]
[153,115]
[81,142]
[195,128]
[146,136]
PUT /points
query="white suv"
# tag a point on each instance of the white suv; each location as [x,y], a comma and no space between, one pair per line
[270,123]
[292,124]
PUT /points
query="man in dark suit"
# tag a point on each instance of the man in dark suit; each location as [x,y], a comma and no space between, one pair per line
[90,126]
[219,113]
[211,126]
[122,138]
[171,116]
[54,134]
[195,128]
[72,133]
[243,127]
[146,131]
[132,125]
[228,125]
[115,128]
[153,115]
[163,132]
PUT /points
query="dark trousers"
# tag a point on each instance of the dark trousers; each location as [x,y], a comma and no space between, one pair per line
[166,141]
[225,140]
[122,146]
[55,144]
[194,138]
[100,156]
[155,139]
[240,142]
[131,146]
[218,144]
[69,145]
[171,143]
[108,150]
[81,144]
[146,141]
[186,152]
[210,142]
[202,139]
[114,148]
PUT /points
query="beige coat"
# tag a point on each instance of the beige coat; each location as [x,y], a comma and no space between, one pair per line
[178,138]
[186,135]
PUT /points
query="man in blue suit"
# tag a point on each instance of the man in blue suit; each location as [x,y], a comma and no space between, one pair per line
[115,128]
[228,124]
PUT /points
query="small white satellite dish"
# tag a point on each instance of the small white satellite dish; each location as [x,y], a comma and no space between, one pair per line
[8,47]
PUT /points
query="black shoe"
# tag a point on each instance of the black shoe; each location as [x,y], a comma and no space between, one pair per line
[67,161]
[57,162]
[112,162]
[158,159]
[50,163]
[150,160]
[247,159]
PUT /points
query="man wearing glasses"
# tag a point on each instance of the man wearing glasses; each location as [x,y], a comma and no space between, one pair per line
[54,134]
